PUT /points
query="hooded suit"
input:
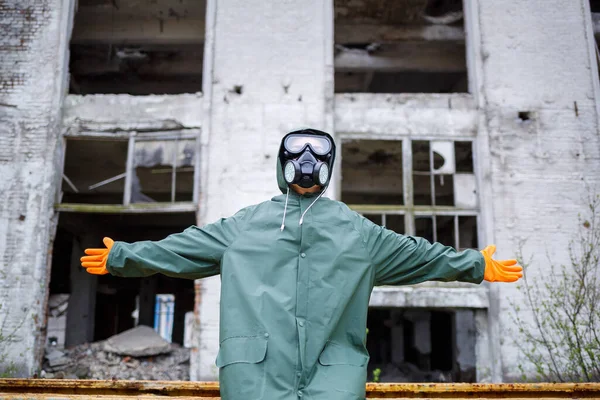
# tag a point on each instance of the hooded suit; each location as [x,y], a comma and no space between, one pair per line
[294,301]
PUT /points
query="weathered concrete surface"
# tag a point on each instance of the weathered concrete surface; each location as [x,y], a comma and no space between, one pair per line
[534,174]
[265,74]
[107,112]
[389,115]
[33,49]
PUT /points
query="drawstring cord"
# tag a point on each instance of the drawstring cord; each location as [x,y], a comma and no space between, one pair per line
[285,208]
[287,195]
[311,204]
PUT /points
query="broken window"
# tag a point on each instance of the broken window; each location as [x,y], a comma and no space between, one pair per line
[164,171]
[441,179]
[122,46]
[372,172]
[400,46]
[94,171]
[421,345]
[149,167]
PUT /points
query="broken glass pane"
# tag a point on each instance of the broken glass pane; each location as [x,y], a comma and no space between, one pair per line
[443,157]
[465,192]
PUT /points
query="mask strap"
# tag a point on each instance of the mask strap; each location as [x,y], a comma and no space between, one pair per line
[311,204]
[285,208]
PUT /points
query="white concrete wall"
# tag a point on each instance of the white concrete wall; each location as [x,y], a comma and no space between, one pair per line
[280,54]
[33,55]
[529,56]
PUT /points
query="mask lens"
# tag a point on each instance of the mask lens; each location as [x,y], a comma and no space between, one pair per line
[296,143]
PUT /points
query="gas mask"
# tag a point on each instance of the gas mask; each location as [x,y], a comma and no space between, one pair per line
[306,158]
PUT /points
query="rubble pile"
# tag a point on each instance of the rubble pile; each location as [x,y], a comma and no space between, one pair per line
[139,353]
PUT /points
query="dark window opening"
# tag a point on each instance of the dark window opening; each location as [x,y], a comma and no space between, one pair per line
[120,47]
[94,171]
[400,47]
[86,308]
[395,222]
[421,345]
[372,172]
[467,226]
[463,152]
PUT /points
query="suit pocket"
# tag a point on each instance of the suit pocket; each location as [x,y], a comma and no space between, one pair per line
[242,367]
[342,372]
[337,354]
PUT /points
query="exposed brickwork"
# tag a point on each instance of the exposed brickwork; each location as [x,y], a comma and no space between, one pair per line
[31,81]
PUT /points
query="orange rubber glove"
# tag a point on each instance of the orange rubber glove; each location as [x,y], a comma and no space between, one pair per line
[95,261]
[500,270]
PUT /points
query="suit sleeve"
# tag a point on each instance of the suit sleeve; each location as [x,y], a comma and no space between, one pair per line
[407,260]
[192,254]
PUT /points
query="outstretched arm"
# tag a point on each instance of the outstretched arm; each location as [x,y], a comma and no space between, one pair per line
[192,254]
[405,260]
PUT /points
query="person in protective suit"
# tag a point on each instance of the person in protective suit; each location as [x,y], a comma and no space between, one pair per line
[297,272]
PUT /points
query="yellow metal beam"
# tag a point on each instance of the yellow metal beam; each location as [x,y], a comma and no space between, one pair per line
[88,389]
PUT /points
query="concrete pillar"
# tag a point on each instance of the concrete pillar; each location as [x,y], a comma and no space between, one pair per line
[397,336]
[534,75]
[268,69]
[82,301]
[421,336]
[184,301]
[33,77]
[466,337]
[147,301]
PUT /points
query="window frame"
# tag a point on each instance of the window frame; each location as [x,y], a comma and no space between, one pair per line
[133,137]
[408,209]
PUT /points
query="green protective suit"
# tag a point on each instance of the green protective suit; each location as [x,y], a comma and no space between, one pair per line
[294,301]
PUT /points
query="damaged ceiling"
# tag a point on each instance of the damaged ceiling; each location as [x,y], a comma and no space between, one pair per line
[137,47]
[400,46]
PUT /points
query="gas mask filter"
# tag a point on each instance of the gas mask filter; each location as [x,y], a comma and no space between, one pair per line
[306,159]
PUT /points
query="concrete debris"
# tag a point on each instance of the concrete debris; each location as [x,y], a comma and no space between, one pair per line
[92,361]
[54,354]
[140,341]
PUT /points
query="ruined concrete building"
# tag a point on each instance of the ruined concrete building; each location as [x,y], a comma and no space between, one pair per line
[466,122]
